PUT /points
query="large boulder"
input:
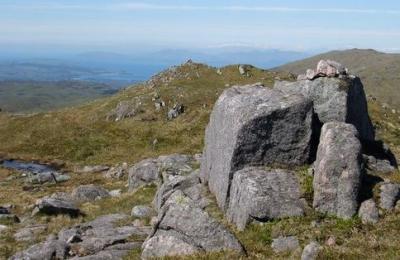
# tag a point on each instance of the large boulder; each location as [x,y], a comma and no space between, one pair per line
[56,206]
[251,126]
[338,170]
[335,99]
[47,250]
[258,194]
[184,229]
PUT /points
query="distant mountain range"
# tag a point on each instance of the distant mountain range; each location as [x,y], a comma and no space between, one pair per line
[380,72]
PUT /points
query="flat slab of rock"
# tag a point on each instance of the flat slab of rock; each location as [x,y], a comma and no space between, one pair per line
[337,170]
[335,99]
[390,194]
[85,193]
[285,244]
[29,233]
[47,250]
[251,126]
[259,194]
[183,229]
[54,206]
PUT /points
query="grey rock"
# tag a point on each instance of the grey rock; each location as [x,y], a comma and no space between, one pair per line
[125,109]
[142,173]
[258,194]
[191,229]
[142,211]
[335,99]
[117,172]
[368,212]
[105,255]
[378,165]
[390,194]
[189,185]
[338,172]
[47,250]
[115,193]
[45,177]
[176,111]
[52,206]
[29,233]
[86,193]
[161,169]
[310,251]
[250,126]
[285,244]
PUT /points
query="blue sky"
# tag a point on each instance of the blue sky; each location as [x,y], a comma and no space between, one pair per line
[137,25]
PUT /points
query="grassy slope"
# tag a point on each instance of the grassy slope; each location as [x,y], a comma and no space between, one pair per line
[36,96]
[380,72]
[81,135]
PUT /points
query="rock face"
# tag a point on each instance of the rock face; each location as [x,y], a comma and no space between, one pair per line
[183,228]
[258,194]
[368,212]
[335,99]
[390,194]
[159,170]
[253,125]
[87,193]
[337,176]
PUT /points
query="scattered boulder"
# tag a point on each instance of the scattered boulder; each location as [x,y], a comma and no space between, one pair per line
[250,126]
[285,244]
[115,193]
[338,173]
[259,194]
[142,211]
[310,251]
[117,172]
[183,228]
[368,212]
[161,169]
[390,194]
[54,206]
[47,177]
[86,193]
[125,109]
[176,110]
[335,99]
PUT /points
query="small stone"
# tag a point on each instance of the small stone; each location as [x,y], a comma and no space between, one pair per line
[311,251]
[142,211]
[285,244]
[390,194]
[368,212]
[86,193]
[115,193]
[331,241]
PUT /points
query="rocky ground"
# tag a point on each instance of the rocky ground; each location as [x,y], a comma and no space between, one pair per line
[290,172]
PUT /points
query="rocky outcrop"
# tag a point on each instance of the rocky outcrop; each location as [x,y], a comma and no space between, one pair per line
[98,239]
[335,99]
[250,126]
[159,170]
[175,111]
[184,229]
[125,109]
[337,170]
[261,195]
